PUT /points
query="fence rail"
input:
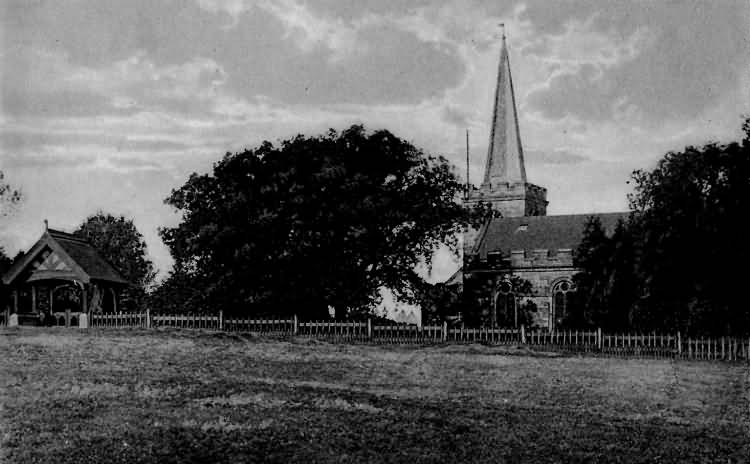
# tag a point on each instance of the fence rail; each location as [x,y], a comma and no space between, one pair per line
[669,346]
[186,322]
[262,326]
[119,320]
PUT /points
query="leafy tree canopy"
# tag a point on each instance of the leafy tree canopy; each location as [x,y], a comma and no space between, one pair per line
[674,265]
[315,222]
[122,245]
[10,197]
[606,287]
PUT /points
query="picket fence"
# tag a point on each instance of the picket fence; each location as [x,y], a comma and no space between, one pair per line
[654,345]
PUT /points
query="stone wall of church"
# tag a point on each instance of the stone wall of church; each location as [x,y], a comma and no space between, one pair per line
[543,282]
[544,269]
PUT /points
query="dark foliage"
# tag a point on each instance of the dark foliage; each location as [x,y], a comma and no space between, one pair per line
[677,263]
[606,287]
[10,197]
[180,292]
[119,242]
[5,263]
[312,223]
[440,302]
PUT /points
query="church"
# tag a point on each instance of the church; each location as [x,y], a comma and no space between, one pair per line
[520,240]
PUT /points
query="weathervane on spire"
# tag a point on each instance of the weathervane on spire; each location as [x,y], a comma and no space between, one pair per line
[502,29]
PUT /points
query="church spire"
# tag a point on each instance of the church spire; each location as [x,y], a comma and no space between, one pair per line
[505,186]
[505,155]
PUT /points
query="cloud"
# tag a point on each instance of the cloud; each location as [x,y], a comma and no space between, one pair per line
[138,82]
[48,84]
[455,115]
[82,158]
[643,65]
[577,62]
[307,29]
[553,157]
[581,43]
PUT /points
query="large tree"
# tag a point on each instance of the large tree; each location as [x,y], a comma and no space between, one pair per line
[675,263]
[606,287]
[690,210]
[315,222]
[10,198]
[121,244]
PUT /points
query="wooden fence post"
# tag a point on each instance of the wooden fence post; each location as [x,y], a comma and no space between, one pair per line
[296,325]
[148,318]
[523,334]
[679,343]
[599,338]
[445,331]
[221,319]
[369,328]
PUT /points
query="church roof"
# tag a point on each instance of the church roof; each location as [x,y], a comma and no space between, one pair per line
[61,255]
[505,154]
[457,278]
[538,232]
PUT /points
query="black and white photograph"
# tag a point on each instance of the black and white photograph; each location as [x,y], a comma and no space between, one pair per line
[374,231]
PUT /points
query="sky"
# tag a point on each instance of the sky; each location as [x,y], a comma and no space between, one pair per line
[109,105]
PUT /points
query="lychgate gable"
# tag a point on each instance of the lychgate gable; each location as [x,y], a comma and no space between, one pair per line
[59,278]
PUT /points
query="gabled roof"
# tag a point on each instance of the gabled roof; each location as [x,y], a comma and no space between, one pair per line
[78,258]
[539,232]
[456,279]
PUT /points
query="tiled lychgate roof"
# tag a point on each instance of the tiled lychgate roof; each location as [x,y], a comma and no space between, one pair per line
[72,257]
[87,257]
[539,232]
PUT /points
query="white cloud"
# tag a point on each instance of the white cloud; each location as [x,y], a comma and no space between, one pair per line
[138,76]
[308,29]
[580,44]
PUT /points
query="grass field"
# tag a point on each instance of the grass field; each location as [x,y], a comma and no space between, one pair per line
[179,396]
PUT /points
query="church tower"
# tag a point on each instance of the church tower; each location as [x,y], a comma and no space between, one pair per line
[504,184]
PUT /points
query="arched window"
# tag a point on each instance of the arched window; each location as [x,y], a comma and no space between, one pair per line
[505,306]
[562,301]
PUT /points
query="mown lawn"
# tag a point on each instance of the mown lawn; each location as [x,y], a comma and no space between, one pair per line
[180,396]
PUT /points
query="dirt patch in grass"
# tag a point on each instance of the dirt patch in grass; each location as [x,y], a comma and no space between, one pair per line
[191,396]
